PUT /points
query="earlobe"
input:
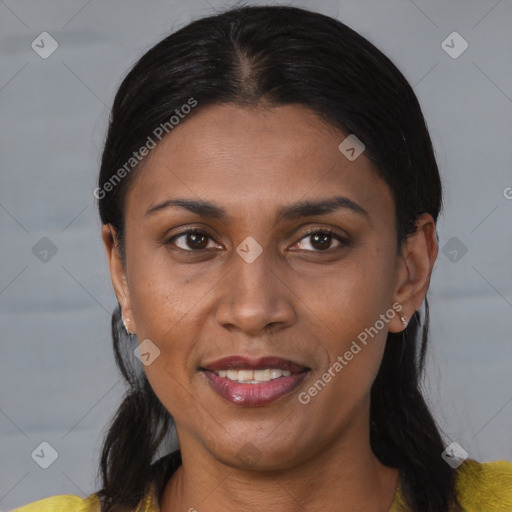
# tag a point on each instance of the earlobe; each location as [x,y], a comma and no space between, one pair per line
[118,276]
[414,268]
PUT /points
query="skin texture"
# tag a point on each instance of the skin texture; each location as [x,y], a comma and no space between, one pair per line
[300,300]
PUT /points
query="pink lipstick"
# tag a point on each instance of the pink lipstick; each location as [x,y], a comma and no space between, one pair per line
[253,382]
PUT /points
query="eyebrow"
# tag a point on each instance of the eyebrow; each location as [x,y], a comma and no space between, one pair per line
[288,212]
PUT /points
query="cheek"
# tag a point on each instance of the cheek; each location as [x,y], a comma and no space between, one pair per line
[162,293]
[167,312]
[171,306]
[354,340]
[163,308]
[352,298]
[354,308]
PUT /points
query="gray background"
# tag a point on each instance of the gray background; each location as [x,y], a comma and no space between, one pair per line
[58,379]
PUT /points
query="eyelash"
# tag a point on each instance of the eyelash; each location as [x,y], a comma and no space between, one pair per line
[344,242]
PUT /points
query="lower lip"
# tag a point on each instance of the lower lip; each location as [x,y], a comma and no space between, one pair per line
[254,394]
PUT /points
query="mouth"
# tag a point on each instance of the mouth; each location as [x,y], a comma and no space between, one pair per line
[254,382]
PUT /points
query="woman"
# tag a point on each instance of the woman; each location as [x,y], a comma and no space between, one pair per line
[269,193]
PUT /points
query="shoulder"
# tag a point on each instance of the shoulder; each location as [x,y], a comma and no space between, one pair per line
[64,503]
[485,486]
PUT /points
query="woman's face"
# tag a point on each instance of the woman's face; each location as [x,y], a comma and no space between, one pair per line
[254,283]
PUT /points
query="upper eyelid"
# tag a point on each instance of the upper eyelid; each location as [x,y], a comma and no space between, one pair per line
[187,232]
[342,239]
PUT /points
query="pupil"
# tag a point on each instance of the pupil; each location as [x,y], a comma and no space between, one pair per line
[197,240]
[323,241]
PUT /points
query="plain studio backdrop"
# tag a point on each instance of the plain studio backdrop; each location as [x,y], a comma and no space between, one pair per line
[62,62]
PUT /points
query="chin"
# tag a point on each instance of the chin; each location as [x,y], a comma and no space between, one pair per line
[259,454]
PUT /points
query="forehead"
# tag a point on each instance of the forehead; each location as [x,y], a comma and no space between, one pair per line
[265,156]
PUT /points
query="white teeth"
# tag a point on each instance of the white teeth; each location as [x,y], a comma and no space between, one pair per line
[232,374]
[253,376]
[274,374]
[245,375]
[262,375]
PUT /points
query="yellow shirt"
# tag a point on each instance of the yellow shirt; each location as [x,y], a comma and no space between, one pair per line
[481,487]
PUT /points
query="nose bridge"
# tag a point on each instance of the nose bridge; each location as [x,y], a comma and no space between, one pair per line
[253,297]
[251,288]
[252,267]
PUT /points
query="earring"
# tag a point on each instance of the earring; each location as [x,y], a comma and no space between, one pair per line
[126,328]
[403,319]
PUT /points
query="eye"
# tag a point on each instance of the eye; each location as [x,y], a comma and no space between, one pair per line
[192,240]
[320,240]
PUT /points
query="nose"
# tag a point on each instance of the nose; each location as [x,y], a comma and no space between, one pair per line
[254,298]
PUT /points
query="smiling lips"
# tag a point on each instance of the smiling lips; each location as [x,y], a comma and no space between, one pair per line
[242,381]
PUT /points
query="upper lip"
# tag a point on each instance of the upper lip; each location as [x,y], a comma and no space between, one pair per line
[246,363]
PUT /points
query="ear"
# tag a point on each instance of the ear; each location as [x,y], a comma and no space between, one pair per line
[414,268]
[118,276]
